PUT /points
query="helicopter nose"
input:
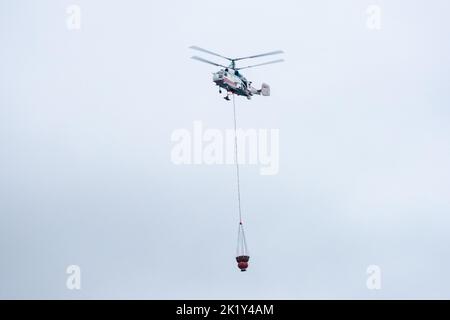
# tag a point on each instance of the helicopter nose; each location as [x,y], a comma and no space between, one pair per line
[217,77]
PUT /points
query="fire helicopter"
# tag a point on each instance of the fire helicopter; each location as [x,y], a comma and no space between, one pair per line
[230,79]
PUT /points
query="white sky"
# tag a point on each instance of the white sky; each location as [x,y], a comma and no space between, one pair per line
[85,171]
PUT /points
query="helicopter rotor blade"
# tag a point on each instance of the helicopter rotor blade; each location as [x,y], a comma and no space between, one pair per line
[207,61]
[210,52]
[260,55]
[261,64]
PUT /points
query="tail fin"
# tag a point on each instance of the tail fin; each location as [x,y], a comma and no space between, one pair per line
[265,89]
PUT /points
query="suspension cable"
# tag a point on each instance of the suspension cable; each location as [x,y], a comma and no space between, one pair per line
[237,164]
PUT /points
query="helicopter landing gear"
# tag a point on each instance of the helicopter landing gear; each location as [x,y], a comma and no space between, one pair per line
[227,97]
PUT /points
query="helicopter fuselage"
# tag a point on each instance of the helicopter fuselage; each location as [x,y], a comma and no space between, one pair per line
[233,82]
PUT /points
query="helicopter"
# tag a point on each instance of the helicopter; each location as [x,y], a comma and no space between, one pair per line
[230,79]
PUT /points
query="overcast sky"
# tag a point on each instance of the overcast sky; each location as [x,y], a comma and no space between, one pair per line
[86,177]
